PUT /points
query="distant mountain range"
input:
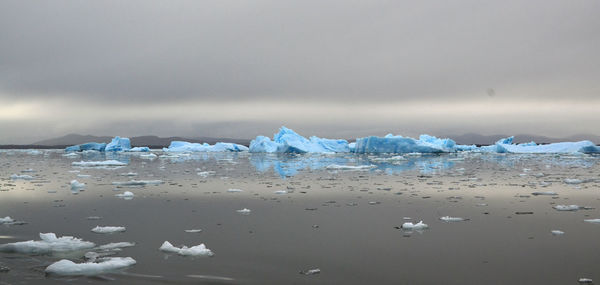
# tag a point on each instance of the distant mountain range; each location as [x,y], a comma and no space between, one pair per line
[158,142]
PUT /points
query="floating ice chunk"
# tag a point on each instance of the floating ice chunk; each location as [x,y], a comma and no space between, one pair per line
[544,193]
[311,271]
[573,181]
[288,141]
[452,219]
[86,146]
[70,268]
[115,245]
[193,231]
[593,221]
[126,195]
[557,232]
[129,174]
[206,173]
[280,192]
[98,163]
[70,155]
[150,156]
[244,211]
[399,144]
[6,220]
[118,144]
[93,218]
[76,185]
[566,207]
[234,190]
[506,146]
[21,177]
[192,251]
[140,149]
[138,182]
[48,243]
[418,226]
[181,146]
[107,229]
[585,280]
[350,167]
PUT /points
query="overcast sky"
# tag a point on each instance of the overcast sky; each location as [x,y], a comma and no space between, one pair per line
[328,68]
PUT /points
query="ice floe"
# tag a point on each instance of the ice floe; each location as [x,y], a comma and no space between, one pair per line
[198,250]
[593,221]
[244,211]
[127,195]
[350,167]
[70,268]
[98,163]
[108,229]
[557,232]
[193,231]
[6,220]
[288,141]
[76,185]
[452,219]
[181,146]
[506,146]
[21,177]
[48,243]
[418,226]
[566,207]
[115,245]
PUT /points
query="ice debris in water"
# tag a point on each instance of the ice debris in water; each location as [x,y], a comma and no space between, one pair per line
[129,174]
[557,232]
[311,271]
[181,146]
[566,207]
[234,190]
[115,245]
[6,220]
[126,195]
[280,192]
[544,193]
[138,182]
[593,221]
[193,231]
[21,177]
[418,226]
[399,144]
[573,181]
[48,243]
[506,146]
[118,144]
[452,219]
[244,211]
[70,268]
[107,229]
[585,281]
[98,163]
[86,146]
[76,185]
[288,141]
[192,251]
[350,167]
[140,149]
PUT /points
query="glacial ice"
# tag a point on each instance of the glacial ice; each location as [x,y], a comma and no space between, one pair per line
[98,163]
[288,141]
[193,231]
[566,207]
[244,211]
[399,144]
[70,268]
[138,182]
[191,251]
[48,243]
[6,220]
[181,146]
[107,229]
[21,177]
[118,144]
[452,219]
[76,185]
[140,149]
[350,167]
[506,146]
[418,226]
[557,232]
[127,195]
[86,146]
[115,245]
[593,221]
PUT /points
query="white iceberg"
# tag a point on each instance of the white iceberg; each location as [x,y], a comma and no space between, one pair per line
[418,226]
[70,268]
[118,144]
[234,190]
[127,195]
[181,146]
[76,185]
[573,181]
[6,220]
[98,163]
[107,229]
[593,221]
[48,243]
[115,245]
[452,219]
[288,141]
[280,192]
[244,211]
[557,232]
[193,231]
[21,177]
[566,207]
[506,146]
[191,251]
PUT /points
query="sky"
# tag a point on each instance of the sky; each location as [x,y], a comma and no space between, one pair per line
[329,68]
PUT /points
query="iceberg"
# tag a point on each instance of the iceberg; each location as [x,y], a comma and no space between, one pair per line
[21,177]
[181,146]
[118,144]
[49,243]
[107,229]
[86,146]
[288,141]
[6,220]
[400,144]
[418,226]
[193,251]
[98,163]
[567,207]
[140,149]
[506,146]
[70,268]
[452,219]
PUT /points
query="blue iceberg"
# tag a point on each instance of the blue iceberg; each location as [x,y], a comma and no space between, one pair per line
[506,146]
[288,141]
[399,144]
[181,146]
[86,146]
[140,149]
[118,144]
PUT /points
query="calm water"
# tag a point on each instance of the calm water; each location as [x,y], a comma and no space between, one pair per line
[344,222]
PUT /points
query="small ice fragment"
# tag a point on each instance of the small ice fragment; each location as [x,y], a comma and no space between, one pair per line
[544,193]
[98,163]
[76,185]
[193,231]
[593,221]
[566,207]
[573,181]
[48,243]
[138,182]
[6,220]
[93,218]
[67,267]
[21,177]
[280,192]
[234,190]
[349,167]
[115,245]
[107,229]
[557,232]
[150,156]
[585,280]
[452,219]
[126,195]
[184,250]
[129,174]
[311,271]
[84,175]
[244,211]
[418,226]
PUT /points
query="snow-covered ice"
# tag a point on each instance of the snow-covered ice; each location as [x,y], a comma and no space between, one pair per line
[48,243]
[127,195]
[115,245]
[108,229]
[197,250]
[193,231]
[70,268]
